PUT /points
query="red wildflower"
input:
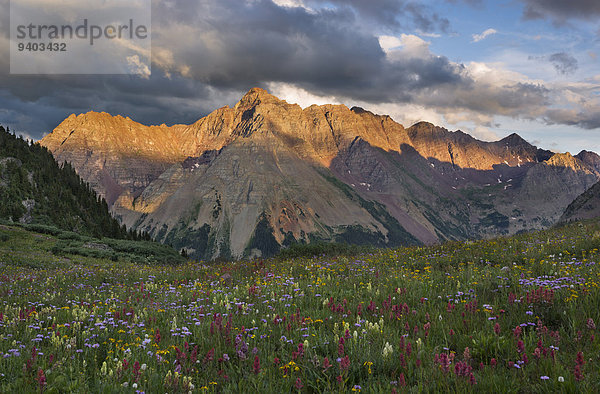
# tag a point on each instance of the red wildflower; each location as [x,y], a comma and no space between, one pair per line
[579,360]
[520,347]
[444,361]
[209,356]
[517,331]
[590,324]
[578,374]
[472,379]
[256,365]
[402,360]
[345,363]
[41,379]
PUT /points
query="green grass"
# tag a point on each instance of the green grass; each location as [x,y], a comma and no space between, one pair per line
[40,246]
[420,319]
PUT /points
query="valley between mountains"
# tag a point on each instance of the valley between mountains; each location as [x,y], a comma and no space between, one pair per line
[247,180]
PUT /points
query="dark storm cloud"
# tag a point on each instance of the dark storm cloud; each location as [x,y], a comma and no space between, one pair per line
[560,11]
[323,49]
[230,46]
[425,20]
[515,100]
[564,63]
[241,45]
[393,13]
[37,105]
[474,3]
[587,119]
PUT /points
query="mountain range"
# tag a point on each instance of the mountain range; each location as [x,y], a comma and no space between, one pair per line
[247,180]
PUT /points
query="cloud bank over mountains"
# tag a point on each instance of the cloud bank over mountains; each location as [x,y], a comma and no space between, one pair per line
[205,53]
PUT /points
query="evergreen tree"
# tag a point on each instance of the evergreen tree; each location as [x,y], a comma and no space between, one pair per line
[28,171]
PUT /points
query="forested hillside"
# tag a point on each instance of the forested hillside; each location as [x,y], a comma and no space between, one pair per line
[35,189]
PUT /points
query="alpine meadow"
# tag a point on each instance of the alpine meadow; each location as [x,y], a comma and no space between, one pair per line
[505,315]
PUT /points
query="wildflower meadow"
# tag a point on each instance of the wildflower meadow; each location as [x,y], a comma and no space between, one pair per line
[516,314]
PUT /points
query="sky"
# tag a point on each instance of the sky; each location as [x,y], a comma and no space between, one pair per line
[489,68]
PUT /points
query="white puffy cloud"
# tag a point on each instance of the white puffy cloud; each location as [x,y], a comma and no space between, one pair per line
[389,43]
[484,35]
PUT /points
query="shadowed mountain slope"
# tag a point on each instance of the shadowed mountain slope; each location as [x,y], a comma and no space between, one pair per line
[586,206]
[266,172]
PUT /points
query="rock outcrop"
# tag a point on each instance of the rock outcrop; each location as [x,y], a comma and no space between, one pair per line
[586,206]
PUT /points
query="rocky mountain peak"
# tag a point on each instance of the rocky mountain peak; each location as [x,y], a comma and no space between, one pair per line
[592,159]
[359,110]
[425,130]
[115,135]
[423,125]
[515,140]
[93,121]
[255,97]
[568,161]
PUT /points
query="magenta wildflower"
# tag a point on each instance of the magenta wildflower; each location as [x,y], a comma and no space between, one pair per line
[579,360]
[41,379]
[517,331]
[578,374]
[256,365]
[520,347]
[590,324]
[345,363]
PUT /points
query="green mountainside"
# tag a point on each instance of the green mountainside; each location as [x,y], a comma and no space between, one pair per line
[35,189]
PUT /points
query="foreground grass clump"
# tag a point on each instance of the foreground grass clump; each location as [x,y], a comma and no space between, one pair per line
[41,246]
[507,315]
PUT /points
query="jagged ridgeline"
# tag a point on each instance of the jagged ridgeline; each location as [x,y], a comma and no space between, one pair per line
[265,174]
[35,189]
[586,206]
